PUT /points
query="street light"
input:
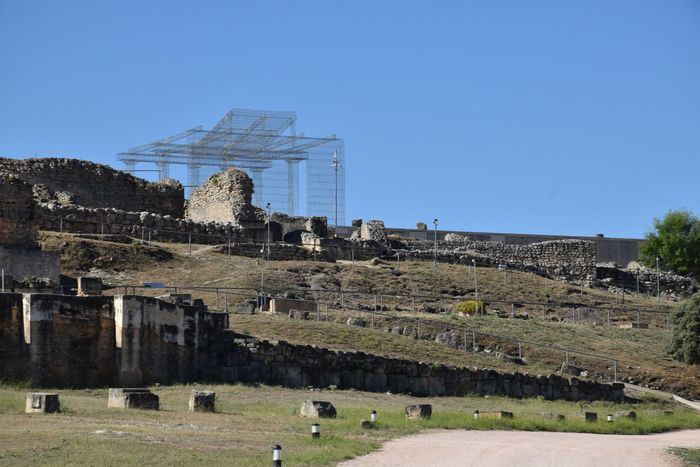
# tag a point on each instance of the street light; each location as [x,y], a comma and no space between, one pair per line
[336,165]
[435,223]
[658,283]
[267,208]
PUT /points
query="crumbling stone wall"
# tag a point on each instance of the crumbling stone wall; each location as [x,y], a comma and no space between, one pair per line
[96,185]
[226,197]
[565,259]
[16,213]
[281,363]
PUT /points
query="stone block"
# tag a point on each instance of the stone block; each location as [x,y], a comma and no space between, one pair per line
[590,417]
[552,416]
[419,411]
[366,424]
[42,402]
[202,401]
[569,369]
[89,286]
[317,409]
[496,414]
[628,414]
[133,398]
[285,305]
[299,314]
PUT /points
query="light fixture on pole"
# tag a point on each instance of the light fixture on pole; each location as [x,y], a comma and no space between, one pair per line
[435,223]
[336,165]
[267,208]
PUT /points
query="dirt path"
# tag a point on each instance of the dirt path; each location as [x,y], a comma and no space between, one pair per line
[521,448]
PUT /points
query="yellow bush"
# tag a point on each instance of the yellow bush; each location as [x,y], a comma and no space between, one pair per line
[470,307]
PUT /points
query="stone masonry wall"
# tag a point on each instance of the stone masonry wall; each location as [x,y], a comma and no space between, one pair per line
[97,186]
[16,213]
[281,363]
[64,341]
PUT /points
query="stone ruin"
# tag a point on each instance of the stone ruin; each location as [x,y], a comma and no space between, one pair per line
[226,197]
[78,182]
[20,256]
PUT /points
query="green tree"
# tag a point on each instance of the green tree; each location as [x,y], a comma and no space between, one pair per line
[685,341]
[676,242]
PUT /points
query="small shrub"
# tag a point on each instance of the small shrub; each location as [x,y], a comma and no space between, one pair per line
[470,307]
[685,341]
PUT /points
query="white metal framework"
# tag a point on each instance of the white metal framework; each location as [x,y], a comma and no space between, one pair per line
[266,145]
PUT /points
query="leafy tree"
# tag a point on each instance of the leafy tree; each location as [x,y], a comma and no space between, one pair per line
[676,241]
[685,341]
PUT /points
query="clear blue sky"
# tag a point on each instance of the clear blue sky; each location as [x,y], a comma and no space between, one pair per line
[538,116]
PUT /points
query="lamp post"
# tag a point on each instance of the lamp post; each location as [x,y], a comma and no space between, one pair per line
[267,208]
[435,223]
[336,165]
[658,283]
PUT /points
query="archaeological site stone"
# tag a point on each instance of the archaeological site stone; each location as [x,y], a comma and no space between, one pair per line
[42,402]
[420,411]
[17,208]
[317,409]
[552,416]
[133,398]
[89,286]
[628,414]
[226,197]
[495,414]
[374,230]
[202,401]
[590,417]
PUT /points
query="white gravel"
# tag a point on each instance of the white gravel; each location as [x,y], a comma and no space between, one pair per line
[524,448]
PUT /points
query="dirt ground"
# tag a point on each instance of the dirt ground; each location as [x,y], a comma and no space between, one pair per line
[507,448]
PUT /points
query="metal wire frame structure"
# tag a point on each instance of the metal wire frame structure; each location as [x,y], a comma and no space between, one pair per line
[266,145]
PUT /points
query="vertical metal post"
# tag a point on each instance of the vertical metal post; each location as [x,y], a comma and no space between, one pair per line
[435,222]
[102,230]
[326,312]
[336,165]
[226,302]
[2,273]
[143,235]
[342,300]
[474,341]
[149,236]
[376,302]
[476,285]
[544,315]
[520,350]
[372,321]
[418,329]
[465,339]
[615,371]
[658,283]
[229,245]
[318,311]
[413,304]
[546,280]
[216,291]
[512,310]
[637,281]
[189,244]
[637,317]
[567,357]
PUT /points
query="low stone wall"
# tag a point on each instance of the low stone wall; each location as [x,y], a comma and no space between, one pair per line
[567,259]
[78,219]
[16,213]
[294,366]
[98,186]
[98,341]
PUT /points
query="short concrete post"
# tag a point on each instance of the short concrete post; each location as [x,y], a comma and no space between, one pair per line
[315,431]
[276,455]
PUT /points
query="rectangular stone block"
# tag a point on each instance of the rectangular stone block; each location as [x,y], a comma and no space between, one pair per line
[89,286]
[42,402]
[317,409]
[420,411]
[202,401]
[133,398]
[590,417]
[285,305]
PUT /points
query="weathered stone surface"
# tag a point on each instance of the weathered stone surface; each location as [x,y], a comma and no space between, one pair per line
[374,230]
[570,369]
[133,398]
[628,414]
[366,424]
[89,286]
[590,417]
[202,401]
[552,416]
[419,411]
[298,314]
[17,211]
[357,322]
[42,402]
[225,197]
[285,305]
[317,409]
[96,185]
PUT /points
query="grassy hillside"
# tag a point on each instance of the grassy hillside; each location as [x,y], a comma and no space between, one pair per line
[639,352]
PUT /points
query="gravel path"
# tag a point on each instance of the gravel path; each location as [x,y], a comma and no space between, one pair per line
[524,448]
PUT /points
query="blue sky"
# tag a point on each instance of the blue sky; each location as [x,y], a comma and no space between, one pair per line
[538,116]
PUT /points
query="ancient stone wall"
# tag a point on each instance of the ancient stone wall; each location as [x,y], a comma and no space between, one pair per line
[226,197]
[566,259]
[16,212]
[97,186]
[63,341]
[24,264]
[289,365]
